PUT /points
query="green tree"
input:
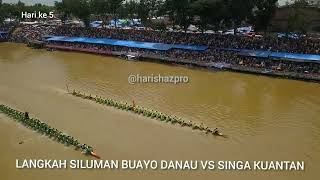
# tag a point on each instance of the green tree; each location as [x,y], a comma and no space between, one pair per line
[63,10]
[143,11]
[180,12]
[147,9]
[100,8]
[12,10]
[264,11]
[81,9]
[78,8]
[239,11]
[298,21]
[38,7]
[17,9]
[115,7]
[301,3]
[6,10]
[211,13]
[131,8]
[155,7]
[1,13]
[161,26]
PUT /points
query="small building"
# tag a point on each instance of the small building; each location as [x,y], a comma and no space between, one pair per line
[311,14]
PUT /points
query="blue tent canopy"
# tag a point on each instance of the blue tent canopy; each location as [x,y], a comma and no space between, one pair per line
[124,43]
[165,47]
[307,57]
[3,34]
[276,55]
[262,54]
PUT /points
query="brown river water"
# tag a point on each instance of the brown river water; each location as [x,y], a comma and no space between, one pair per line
[265,118]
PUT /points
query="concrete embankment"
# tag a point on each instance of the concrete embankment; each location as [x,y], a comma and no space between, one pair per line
[280,74]
[237,68]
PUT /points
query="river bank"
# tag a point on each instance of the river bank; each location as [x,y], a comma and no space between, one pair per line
[212,65]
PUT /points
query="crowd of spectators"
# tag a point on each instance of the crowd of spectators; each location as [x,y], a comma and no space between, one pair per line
[304,45]
[25,33]
[6,27]
[208,57]
[212,55]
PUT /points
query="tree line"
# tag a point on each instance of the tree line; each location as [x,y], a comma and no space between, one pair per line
[14,10]
[205,14]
